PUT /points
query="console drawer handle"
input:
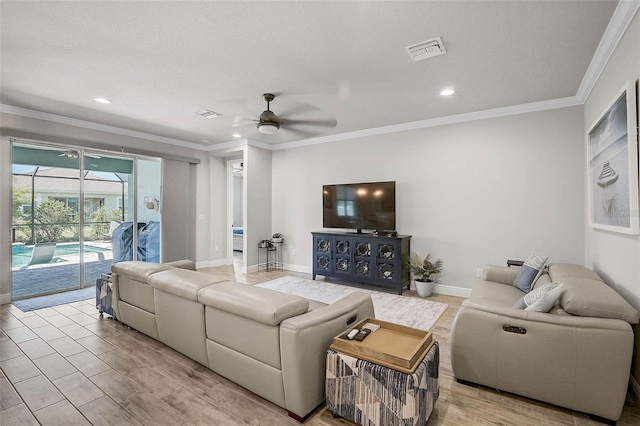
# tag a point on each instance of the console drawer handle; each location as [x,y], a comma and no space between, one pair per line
[512,329]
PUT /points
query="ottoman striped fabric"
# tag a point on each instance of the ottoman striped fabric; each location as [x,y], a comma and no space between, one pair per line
[373,395]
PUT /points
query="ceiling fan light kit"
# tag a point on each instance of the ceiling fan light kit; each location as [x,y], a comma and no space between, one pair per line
[269,123]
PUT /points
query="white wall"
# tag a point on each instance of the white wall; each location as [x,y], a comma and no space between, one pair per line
[615,256]
[473,193]
[258,199]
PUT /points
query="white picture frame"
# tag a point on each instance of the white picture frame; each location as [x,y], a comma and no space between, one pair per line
[612,166]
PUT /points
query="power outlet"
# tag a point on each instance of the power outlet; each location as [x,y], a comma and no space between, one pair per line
[293,252]
[479,272]
[217,248]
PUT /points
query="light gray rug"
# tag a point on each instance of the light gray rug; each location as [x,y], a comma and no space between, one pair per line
[410,311]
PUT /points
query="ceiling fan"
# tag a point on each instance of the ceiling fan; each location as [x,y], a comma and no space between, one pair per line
[269,123]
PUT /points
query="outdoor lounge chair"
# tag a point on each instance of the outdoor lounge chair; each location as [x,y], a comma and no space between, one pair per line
[42,253]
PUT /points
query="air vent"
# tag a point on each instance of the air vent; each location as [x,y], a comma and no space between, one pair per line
[207,113]
[426,49]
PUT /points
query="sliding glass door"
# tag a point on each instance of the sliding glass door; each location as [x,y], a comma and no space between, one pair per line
[46,221]
[74,214]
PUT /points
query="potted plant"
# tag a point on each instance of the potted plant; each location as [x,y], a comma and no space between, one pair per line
[422,270]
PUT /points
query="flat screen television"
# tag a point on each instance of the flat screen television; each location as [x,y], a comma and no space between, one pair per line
[360,206]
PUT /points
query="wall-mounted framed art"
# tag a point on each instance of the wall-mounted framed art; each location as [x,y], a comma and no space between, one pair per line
[612,166]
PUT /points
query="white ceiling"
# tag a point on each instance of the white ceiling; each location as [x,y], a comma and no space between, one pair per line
[160,62]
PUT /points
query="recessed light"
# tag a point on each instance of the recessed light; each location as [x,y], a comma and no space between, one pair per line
[447,92]
[102,100]
[237,135]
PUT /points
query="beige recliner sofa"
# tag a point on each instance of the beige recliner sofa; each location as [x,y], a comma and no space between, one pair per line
[272,343]
[576,356]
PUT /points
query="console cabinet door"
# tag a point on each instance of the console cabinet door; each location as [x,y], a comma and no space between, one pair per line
[342,256]
[322,254]
[388,267]
[363,259]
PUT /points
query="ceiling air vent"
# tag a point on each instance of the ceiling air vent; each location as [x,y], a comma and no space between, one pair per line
[207,113]
[426,49]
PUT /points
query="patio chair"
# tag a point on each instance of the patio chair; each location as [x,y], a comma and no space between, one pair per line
[42,253]
[112,227]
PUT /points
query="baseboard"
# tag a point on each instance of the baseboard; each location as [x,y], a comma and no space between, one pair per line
[5,298]
[452,290]
[635,386]
[297,268]
[251,269]
[211,263]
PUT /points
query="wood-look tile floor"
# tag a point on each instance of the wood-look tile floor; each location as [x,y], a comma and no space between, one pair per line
[68,366]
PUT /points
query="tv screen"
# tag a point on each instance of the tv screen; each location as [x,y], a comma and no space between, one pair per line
[360,206]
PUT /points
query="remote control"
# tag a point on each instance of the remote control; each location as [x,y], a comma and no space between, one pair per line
[363,333]
[352,334]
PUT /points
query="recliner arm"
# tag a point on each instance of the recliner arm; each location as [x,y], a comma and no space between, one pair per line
[304,341]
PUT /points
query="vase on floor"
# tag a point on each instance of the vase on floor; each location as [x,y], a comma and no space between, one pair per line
[424,289]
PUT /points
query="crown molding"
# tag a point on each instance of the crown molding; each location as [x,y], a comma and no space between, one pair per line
[441,121]
[620,21]
[23,112]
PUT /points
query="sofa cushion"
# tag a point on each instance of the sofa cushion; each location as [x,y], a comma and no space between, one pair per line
[593,298]
[182,282]
[182,264]
[490,293]
[529,272]
[259,304]
[137,270]
[560,271]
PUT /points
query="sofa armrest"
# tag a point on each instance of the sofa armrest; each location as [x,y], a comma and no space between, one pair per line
[500,274]
[581,363]
[304,341]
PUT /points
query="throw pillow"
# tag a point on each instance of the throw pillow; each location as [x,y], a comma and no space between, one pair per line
[529,272]
[541,299]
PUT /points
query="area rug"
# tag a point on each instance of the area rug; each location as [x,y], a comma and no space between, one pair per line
[406,310]
[42,302]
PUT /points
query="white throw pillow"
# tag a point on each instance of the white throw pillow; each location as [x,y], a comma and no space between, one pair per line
[542,299]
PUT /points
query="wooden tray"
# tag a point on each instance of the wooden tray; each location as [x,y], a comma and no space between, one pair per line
[392,345]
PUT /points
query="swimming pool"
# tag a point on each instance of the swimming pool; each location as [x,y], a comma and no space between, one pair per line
[21,254]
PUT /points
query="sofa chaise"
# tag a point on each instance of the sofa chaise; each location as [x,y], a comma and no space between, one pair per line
[578,355]
[272,343]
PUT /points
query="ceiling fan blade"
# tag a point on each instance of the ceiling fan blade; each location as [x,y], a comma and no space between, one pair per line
[316,123]
[299,109]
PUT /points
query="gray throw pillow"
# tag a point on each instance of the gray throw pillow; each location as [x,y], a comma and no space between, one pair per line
[529,272]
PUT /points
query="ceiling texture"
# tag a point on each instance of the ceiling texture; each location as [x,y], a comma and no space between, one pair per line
[341,63]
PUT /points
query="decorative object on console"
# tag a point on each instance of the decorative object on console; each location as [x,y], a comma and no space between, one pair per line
[277,238]
[612,165]
[529,272]
[422,270]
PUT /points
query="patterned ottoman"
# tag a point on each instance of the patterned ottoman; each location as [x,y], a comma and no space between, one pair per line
[373,395]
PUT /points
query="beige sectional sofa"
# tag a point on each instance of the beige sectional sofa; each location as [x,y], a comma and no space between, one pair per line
[576,356]
[272,343]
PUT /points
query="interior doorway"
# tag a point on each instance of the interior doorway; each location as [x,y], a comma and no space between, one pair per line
[236,241]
